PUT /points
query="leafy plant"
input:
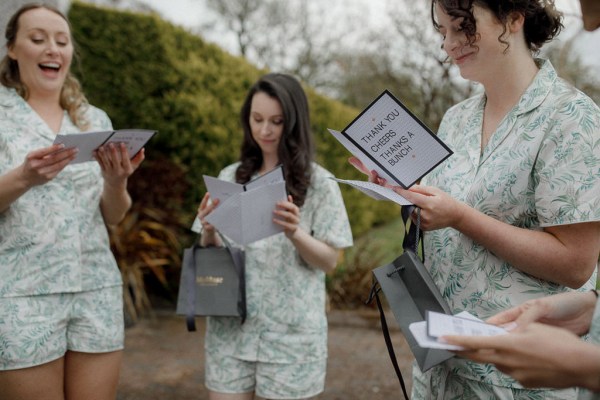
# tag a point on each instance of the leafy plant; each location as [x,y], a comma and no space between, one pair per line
[148,242]
[144,243]
[349,285]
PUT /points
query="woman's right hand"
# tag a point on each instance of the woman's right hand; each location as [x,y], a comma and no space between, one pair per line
[41,166]
[209,233]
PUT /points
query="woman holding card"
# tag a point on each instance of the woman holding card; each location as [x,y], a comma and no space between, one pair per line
[61,324]
[280,352]
[544,348]
[513,214]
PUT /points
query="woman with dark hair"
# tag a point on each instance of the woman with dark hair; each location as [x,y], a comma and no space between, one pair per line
[280,352]
[61,307]
[514,214]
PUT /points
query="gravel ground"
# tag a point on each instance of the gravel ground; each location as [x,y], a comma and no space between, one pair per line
[164,361]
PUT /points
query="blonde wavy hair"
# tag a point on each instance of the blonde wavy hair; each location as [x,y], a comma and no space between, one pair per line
[72,98]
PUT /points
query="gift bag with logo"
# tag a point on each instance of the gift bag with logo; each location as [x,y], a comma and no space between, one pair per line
[212,283]
[410,291]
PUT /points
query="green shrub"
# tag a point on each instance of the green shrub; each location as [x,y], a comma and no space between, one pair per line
[147,73]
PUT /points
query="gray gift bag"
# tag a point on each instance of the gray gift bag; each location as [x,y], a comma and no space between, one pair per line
[212,283]
[410,292]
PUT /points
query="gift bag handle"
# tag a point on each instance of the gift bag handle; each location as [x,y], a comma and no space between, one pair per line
[413,236]
[375,289]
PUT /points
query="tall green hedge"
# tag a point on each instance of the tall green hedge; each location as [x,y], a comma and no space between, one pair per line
[147,73]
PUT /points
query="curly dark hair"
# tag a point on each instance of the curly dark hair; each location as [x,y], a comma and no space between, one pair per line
[542,20]
[296,148]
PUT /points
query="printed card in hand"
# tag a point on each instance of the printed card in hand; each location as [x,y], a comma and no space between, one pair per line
[88,142]
[389,139]
[245,212]
[428,333]
[376,191]
[222,190]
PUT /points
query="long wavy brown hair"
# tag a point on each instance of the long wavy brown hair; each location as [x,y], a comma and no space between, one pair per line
[296,148]
[72,98]
[542,20]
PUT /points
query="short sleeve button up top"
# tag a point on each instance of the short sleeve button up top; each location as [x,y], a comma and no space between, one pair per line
[53,238]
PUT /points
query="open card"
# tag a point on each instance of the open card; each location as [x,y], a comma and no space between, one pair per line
[88,142]
[245,212]
[222,190]
[389,139]
[436,325]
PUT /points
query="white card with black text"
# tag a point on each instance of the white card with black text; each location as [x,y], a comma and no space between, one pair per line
[394,142]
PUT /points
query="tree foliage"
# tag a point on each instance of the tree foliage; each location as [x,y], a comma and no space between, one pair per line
[146,73]
[296,36]
[353,59]
[569,66]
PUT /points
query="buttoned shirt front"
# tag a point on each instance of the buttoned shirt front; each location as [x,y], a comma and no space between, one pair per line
[52,238]
[540,168]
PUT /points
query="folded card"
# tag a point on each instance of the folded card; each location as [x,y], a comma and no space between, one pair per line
[428,333]
[376,191]
[89,142]
[389,139]
[245,211]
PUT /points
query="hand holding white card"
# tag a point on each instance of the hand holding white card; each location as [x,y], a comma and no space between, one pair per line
[248,216]
[245,212]
[376,191]
[389,139]
[360,155]
[419,332]
[428,332]
[220,189]
[88,142]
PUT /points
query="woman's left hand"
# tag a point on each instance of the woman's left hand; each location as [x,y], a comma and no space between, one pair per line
[287,215]
[115,163]
[438,209]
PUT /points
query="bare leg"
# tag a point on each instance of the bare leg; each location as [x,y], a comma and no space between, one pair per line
[92,376]
[230,396]
[40,382]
